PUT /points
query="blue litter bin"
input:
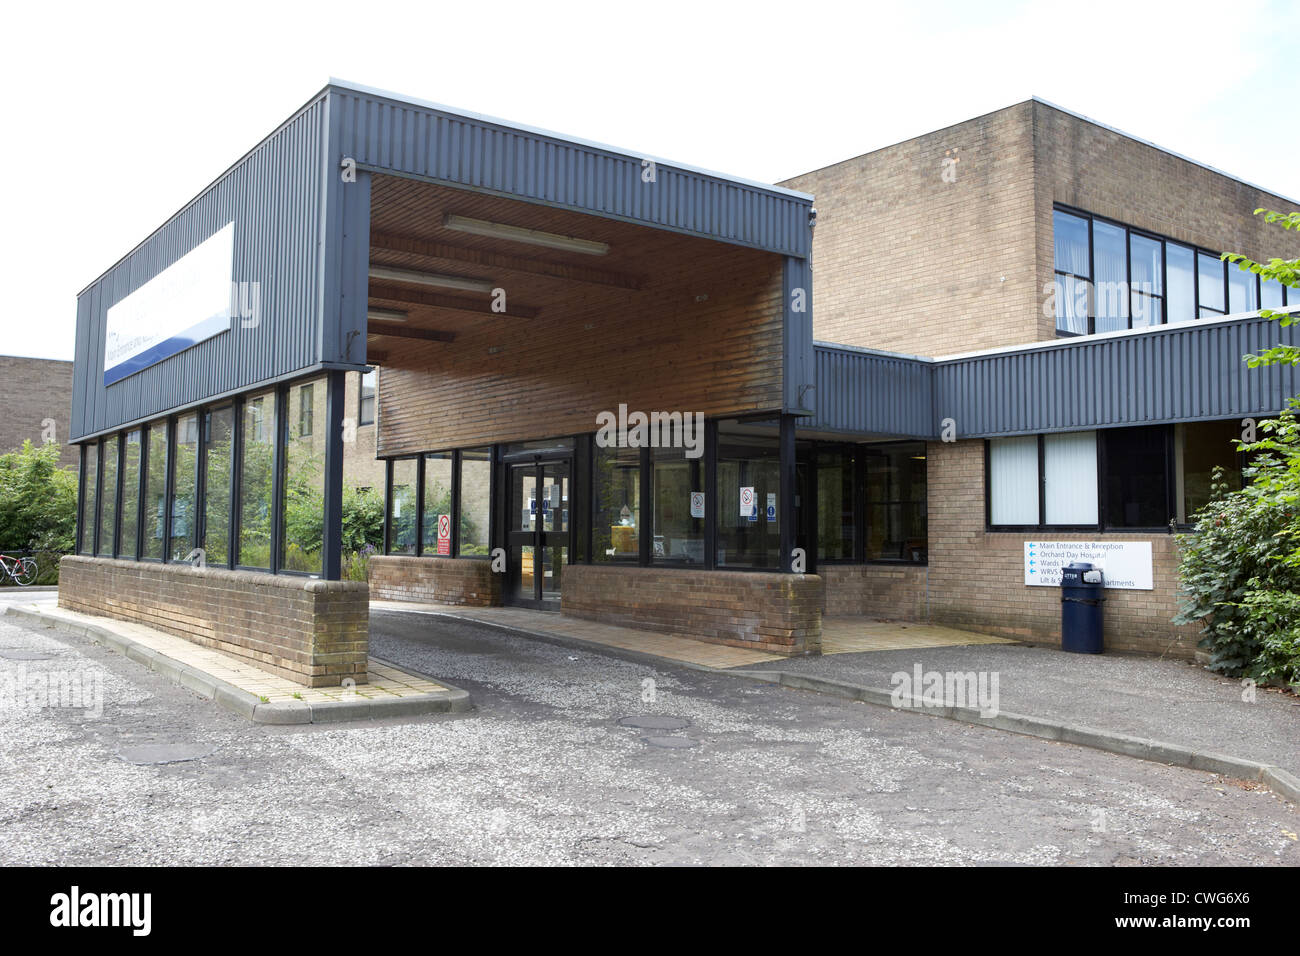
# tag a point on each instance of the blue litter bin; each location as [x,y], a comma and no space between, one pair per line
[1082,594]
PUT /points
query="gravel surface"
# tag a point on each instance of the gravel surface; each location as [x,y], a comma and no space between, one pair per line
[543,772]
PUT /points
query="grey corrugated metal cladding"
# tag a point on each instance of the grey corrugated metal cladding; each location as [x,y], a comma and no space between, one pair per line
[274,197]
[302,236]
[1186,372]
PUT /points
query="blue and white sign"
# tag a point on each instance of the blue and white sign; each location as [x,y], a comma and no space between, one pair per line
[186,303]
[1125,565]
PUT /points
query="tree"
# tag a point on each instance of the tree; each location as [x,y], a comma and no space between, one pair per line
[38,505]
[1239,568]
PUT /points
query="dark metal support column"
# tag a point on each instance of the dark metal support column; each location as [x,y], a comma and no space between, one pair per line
[785,500]
[454,549]
[711,494]
[332,546]
[278,464]
[419,507]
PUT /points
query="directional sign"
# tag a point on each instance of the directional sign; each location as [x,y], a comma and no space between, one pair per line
[1125,565]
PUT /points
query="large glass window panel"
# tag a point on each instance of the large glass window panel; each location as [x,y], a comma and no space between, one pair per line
[257,472]
[617,503]
[475,502]
[1072,305]
[185,470]
[1201,447]
[155,494]
[401,507]
[1013,481]
[218,446]
[90,501]
[678,536]
[1110,277]
[1270,294]
[1070,241]
[1209,272]
[1145,282]
[1241,290]
[749,539]
[131,451]
[304,480]
[1180,263]
[437,499]
[896,502]
[835,525]
[108,500]
[1070,478]
[366,398]
[1136,480]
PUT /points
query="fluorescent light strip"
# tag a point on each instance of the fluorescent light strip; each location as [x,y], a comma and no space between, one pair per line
[385,315]
[499,230]
[431,278]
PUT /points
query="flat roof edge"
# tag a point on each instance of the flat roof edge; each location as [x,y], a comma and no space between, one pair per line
[349,86]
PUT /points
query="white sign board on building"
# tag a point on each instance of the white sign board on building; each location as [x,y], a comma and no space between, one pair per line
[187,302]
[1125,565]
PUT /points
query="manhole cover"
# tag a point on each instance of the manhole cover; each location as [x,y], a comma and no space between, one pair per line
[671,743]
[653,722]
[18,654]
[163,753]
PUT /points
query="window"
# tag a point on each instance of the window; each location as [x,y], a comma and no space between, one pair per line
[155,494]
[1110,277]
[130,494]
[185,469]
[1199,448]
[257,471]
[1181,275]
[617,505]
[218,442]
[304,487]
[108,500]
[1136,486]
[366,398]
[90,509]
[475,505]
[896,502]
[1146,281]
[306,410]
[1209,285]
[437,499]
[836,531]
[748,539]
[678,535]
[1043,480]
[401,507]
[1110,285]
[1073,272]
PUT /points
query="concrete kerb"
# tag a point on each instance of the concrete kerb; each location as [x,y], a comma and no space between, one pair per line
[249,705]
[1280,781]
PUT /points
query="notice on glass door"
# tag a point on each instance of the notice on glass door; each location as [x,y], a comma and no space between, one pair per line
[1125,565]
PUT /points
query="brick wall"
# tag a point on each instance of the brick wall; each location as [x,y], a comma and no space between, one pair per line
[976,578]
[780,613]
[440,580]
[308,630]
[909,261]
[37,400]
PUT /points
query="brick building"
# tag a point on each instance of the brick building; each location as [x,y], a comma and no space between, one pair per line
[37,395]
[612,387]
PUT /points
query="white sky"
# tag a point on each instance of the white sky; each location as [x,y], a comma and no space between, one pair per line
[118,114]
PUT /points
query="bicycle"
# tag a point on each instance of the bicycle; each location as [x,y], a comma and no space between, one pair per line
[22,571]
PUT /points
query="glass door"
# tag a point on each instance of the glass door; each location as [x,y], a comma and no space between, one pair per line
[538,535]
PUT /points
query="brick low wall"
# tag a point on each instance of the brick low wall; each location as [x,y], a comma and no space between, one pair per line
[876,590]
[311,631]
[440,580]
[780,613]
